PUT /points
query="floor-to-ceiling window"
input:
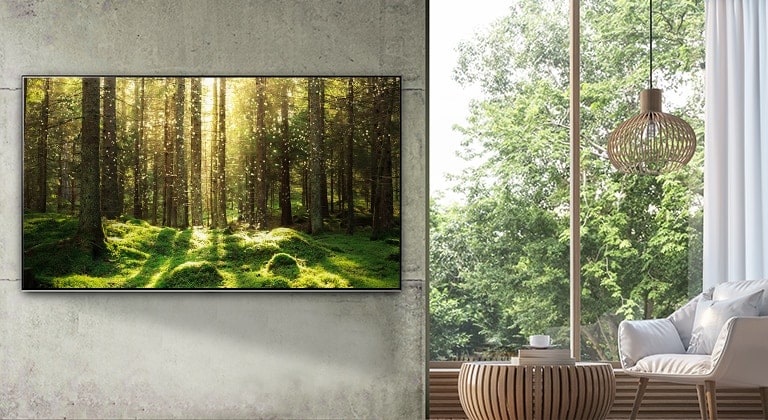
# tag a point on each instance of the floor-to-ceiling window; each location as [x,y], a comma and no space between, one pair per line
[499,244]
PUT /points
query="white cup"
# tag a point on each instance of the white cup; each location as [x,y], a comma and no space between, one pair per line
[539,340]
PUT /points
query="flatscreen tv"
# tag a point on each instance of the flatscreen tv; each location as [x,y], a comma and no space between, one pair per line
[211,183]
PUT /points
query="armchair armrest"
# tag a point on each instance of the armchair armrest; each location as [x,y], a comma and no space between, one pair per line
[738,358]
[641,338]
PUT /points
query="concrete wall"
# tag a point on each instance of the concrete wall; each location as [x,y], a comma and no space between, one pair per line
[209,355]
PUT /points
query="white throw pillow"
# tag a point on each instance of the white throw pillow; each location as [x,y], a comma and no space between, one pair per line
[683,317]
[711,315]
[732,289]
[640,338]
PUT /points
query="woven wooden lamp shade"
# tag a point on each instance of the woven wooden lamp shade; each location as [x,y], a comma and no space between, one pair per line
[652,142]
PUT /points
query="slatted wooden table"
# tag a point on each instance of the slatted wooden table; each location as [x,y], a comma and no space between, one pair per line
[500,390]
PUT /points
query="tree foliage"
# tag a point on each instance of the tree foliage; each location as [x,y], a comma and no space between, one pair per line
[211,152]
[499,261]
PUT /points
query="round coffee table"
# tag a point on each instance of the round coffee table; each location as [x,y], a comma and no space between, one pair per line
[500,390]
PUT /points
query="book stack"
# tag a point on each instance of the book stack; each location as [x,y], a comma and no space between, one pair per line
[548,356]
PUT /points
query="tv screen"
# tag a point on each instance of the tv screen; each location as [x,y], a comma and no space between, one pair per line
[211,183]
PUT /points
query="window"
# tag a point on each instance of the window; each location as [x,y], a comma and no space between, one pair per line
[499,257]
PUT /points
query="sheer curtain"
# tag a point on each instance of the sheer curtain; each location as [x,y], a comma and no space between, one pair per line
[736,141]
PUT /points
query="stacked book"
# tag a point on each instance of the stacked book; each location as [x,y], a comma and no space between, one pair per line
[547,356]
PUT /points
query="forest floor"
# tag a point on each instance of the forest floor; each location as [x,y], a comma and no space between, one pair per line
[141,255]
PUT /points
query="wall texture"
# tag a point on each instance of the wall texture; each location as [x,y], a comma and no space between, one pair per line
[214,355]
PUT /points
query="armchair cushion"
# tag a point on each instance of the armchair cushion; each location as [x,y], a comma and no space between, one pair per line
[711,315]
[731,289]
[674,364]
[640,338]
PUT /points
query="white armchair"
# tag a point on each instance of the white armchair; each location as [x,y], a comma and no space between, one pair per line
[718,339]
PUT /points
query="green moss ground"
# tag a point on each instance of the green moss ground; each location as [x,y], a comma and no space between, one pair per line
[145,256]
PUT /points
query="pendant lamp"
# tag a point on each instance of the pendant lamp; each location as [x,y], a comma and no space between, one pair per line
[652,142]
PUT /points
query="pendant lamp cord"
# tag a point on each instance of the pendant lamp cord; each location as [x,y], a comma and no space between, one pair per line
[650,45]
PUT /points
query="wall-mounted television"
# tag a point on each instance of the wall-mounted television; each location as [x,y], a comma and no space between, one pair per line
[211,183]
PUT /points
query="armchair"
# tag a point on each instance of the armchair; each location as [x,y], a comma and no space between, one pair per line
[718,339]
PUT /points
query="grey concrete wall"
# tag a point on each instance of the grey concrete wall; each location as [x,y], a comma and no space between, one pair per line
[213,355]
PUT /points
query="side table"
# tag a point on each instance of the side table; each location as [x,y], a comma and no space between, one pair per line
[500,390]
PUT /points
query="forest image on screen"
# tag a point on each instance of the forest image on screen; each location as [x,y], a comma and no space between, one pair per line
[211,183]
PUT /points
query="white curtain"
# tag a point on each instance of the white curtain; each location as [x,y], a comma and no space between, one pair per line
[736,141]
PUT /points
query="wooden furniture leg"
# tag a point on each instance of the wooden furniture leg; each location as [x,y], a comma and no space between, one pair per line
[702,401]
[764,399]
[709,389]
[638,398]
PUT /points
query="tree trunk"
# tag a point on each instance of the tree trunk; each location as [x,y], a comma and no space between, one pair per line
[260,218]
[221,211]
[60,190]
[155,186]
[349,161]
[315,155]
[121,139]
[110,195]
[27,187]
[145,153]
[196,152]
[388,178]
[180,168]
[323,165]
[305,185]
[90,233]
[248,202]
[169,201]
[138,134]
[73,180]
[41,189]
[214,193]
[382,198]
[286,216]
[375,145]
